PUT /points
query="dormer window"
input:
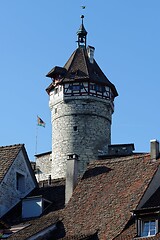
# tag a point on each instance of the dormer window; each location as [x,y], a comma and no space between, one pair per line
[34,206]
[147,221]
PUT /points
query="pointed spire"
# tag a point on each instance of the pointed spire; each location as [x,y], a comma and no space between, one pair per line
[82,35]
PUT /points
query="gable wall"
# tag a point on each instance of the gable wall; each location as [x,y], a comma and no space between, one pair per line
[43,166]
[9,195]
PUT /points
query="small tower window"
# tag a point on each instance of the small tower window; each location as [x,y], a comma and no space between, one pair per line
[75,128]
[20,182]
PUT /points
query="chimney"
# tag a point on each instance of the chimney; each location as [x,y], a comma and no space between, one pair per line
[71,176]
[154,149]
[90,51]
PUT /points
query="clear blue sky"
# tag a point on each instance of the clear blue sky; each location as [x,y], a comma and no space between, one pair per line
[36,35]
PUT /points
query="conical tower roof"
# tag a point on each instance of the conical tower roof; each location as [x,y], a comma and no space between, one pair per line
[78,68]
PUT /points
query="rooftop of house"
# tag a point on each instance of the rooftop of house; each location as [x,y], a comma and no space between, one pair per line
[7,156]
[54,193]
[109,191]
[34,226]
[43,154]
[103,202]
[151,206]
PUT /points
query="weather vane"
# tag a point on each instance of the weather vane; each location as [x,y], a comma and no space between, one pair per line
[83,7]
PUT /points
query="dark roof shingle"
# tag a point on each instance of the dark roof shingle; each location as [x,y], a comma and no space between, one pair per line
[78,68]
[36,226]
[7,157]
[55,194]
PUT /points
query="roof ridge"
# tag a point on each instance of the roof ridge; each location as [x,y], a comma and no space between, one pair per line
[12,145]
[70,60]
[8,154]
[118,159]
[85,62]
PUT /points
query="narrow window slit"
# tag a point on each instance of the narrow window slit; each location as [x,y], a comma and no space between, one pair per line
[75,128]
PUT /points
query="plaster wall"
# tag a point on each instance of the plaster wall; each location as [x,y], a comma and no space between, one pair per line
[43,166]
[9,195]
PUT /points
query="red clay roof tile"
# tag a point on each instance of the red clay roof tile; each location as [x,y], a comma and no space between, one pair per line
[108,192]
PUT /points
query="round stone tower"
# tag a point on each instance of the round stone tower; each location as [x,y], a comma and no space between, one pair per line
[82,104]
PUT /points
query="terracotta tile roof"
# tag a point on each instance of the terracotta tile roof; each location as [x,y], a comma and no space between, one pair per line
[106,195]
[130,233]
[101,205]
[7,157]
[36,226]
[83,237]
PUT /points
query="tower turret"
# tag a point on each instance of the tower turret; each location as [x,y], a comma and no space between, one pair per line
[81,103]
[82,35]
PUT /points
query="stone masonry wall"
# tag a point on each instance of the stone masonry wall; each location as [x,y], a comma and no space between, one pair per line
[43,166]
[82,126]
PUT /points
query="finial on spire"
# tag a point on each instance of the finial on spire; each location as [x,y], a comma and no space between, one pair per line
[82,34]
[82,16]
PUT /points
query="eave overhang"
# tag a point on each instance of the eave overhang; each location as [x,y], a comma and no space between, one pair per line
[56,71]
